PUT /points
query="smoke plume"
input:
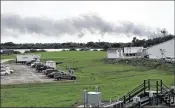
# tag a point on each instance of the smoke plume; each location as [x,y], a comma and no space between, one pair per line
[79,26]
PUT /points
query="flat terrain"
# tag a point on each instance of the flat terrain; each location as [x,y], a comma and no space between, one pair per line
[24,74]
[113,80]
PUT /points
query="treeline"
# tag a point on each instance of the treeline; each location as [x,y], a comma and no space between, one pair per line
[101,45]
[34,50]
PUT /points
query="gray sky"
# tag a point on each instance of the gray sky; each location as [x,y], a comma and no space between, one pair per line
[75,21]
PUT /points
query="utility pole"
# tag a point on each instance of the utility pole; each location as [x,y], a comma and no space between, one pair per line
[163,32]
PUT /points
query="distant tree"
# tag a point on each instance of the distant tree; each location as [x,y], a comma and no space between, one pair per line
[42,50]
[82,49]
[17,52]
[115,45]
[81,44]
[134,40]
[9,44]
[95,50]
[164,32]
[90,44]
[106,47]
[72,49]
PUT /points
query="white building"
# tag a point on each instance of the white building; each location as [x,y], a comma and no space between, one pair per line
[114,53]
[126,52]
[167,49]
[132,51]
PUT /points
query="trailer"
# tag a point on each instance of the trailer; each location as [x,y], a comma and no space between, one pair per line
[51,64]
[26,58]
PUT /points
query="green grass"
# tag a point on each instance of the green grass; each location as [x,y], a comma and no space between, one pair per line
[4,56]
[114,80]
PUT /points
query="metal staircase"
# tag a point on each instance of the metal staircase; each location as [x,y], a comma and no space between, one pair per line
[162,94]
[167,96]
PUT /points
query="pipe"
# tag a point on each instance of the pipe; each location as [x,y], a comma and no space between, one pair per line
[157,89]
[161,85]
[97,89]
[169,99]
[84,98]
[148,84]
[144,87]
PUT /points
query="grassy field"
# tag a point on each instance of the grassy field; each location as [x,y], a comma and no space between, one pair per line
[4,56]
[113,80]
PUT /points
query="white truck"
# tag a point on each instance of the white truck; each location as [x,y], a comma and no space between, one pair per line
[26,58]
[51,64]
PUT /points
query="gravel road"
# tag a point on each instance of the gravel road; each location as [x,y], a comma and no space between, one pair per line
[24,74]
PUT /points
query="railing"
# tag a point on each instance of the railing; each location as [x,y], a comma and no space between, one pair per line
[165,86]
[165,93]
[137,90]
[160,87]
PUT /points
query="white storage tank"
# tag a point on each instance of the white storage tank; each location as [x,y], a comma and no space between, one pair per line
[94,98]
[136,99]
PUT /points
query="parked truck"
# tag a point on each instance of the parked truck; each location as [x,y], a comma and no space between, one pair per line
[40,68]
[63,75]
[51,64]
[26,58]
[48,71]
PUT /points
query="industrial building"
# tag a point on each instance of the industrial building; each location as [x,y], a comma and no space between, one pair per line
[162,50]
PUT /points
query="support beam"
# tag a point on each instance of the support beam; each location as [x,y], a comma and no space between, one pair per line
[157,90]
[144,87]
[169,99]
[148,84]
[161,85]
[124,99]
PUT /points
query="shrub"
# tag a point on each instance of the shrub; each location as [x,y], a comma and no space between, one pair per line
[42,50]
[17,52]
[72,49]
[27,51]
[102,50]
[87,49]
[82,49]
[142,62]
[33,50]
